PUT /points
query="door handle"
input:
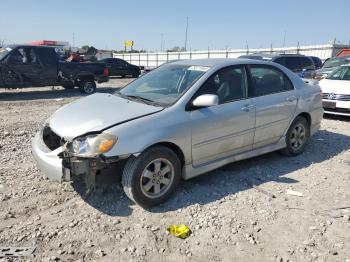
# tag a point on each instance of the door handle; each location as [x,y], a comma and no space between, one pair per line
[247,108]
[291,99]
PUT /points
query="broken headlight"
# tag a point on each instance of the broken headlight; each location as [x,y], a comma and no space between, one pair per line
[92,145]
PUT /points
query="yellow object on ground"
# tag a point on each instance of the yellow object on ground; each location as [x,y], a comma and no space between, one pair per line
[181,231]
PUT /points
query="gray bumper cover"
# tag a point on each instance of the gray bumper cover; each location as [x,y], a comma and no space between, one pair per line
[48,161]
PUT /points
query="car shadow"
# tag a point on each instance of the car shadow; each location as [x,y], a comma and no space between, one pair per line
[48,93]
[228,180]
[336,117]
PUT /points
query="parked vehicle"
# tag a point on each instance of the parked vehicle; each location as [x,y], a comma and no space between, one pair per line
[299,64]
[35,66]
[317,61]
[336,91]
[119,67]
[178,121]
[330,65]
[343,52]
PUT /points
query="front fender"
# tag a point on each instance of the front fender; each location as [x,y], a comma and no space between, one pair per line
[137,135]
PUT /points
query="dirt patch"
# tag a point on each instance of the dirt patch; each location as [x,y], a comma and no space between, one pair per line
[230,217]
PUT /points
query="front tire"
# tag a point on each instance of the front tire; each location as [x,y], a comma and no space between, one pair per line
[88,86]
[297,137]
[151,178]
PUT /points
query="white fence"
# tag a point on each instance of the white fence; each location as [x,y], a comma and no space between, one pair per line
[151,60]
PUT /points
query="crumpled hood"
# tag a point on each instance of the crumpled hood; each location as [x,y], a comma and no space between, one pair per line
[96,112]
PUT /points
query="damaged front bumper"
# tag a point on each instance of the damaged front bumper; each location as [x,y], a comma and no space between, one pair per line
[48,161]
[59,165]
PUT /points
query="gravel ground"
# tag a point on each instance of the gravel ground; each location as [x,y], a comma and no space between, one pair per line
[240,212]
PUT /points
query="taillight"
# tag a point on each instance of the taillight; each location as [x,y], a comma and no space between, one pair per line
[106,72]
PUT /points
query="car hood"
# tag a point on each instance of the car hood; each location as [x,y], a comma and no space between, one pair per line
[335,86]
[96,112]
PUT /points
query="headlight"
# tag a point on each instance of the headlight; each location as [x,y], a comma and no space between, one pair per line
[92,145]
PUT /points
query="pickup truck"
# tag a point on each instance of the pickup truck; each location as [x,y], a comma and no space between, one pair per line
[36,66]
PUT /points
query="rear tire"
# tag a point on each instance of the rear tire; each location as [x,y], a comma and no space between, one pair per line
[297,137]
[87,86]
[151,178]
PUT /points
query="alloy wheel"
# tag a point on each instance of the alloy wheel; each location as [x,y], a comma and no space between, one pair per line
[157,177]
[298,136]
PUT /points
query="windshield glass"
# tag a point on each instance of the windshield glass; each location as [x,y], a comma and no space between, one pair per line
[342,73]
[4,51]
[334,62]
[165,84]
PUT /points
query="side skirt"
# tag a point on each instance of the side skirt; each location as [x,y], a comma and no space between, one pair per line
[189,171]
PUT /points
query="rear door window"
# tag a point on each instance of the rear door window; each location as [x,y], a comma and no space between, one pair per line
[267,80]
[47,56]
[307,63]
[293,63]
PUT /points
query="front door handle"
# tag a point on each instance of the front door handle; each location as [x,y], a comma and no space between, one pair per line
[247,108]
[291,99]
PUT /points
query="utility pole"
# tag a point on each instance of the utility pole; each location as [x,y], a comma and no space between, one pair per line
[284,38]
[186,33]
[73,40]
[161,42]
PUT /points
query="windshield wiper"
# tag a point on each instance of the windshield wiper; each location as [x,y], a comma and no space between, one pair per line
[139,98]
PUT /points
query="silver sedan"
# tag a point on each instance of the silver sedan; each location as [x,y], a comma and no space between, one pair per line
[179,121]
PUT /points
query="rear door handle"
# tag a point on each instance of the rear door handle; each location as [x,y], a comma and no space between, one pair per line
[291,99]
[247,108]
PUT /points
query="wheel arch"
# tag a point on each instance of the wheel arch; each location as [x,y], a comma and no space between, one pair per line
[307,116]
[84,76]
[172,146]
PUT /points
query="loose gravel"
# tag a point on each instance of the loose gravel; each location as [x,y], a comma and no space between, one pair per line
[240,212]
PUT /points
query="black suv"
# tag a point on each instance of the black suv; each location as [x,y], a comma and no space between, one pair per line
[299,64]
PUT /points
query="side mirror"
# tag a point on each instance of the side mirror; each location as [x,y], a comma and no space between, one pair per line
[206,101]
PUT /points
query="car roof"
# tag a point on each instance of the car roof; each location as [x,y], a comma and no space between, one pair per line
[212,62]
[271,56]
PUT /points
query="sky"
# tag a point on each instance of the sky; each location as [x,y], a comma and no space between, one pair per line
[154,24]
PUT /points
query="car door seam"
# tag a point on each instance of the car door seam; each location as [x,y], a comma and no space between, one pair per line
[218,139]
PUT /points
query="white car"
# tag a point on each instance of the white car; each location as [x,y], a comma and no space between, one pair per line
[336,91]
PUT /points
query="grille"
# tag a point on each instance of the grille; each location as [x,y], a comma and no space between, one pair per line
[338,97]
[51,140]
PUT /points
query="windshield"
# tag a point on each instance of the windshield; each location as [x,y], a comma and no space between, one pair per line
[342,73]
[165,84]
[4,51]
[334,62]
